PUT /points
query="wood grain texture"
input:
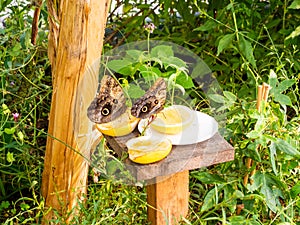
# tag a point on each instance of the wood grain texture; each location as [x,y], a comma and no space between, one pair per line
[168,198]
[182,157]
[75,41]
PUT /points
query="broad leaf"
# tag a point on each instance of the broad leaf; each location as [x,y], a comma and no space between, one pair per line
[185,81]
[119,65]
[272,79]
[162,51]
[247,50]
[295,5]
[135,91]
[208,25]
[10,157]
[267,191]
[295,33]
[210,200]
[273,157]
[134,54]
[225,42]
[208,178]
[285,84]
[10,130]
[230,96]
[287,148]
[282,99]
[295,190]
[217,98]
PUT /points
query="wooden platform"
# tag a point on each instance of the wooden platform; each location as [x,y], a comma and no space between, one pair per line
[168,179]
[182,157]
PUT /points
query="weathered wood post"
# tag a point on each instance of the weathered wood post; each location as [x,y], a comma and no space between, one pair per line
[75,42]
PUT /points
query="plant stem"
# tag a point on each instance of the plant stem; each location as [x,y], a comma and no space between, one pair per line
[234,21]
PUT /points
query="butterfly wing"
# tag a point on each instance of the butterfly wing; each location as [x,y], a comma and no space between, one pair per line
[109,102]
[152,101]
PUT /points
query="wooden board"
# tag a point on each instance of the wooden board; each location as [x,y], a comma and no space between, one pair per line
[168,198]
[184,157]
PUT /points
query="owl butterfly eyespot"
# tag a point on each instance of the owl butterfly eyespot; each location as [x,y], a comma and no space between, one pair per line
[109,102]
[152,101]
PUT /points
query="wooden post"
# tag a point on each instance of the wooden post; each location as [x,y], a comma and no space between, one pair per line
[75,42]
[168,198]
[168,179]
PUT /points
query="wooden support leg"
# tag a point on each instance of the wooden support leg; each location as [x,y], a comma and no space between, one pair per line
[168,198]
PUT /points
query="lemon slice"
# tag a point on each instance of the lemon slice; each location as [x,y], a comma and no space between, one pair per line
[147,149]
[121,126]
[173,119]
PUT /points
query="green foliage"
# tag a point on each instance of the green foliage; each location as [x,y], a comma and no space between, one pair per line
[245,43]
[158,61]
[25,98]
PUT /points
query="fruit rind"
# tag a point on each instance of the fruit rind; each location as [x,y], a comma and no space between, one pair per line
[140,152]
[121,126]
[173,119]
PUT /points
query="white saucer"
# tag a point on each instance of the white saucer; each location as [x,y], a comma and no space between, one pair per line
[202,128]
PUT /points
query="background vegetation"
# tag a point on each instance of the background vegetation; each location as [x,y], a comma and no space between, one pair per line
[245,43]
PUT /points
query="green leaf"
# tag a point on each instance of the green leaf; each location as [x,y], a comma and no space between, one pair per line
[295,5]
[230,96]
[273,79]
[253,134]
[270,197]
[173,62]
[257,182]
[135,91]
[265,183]
[295,191]
[247,50]
[208,178]
[4,205]
[294,34]
[241,220]
[16,50]
[10,130]
[162,51]
[282,99]
[5,109]
[287,148]
[284,85]
[252,151]
[134,54]
[272,157]
[225,42]
[260,125]
[230,198]
[185,81]
[120,65]
[208,25]
[10,157]
[209,200]
[217,98]
[21,136]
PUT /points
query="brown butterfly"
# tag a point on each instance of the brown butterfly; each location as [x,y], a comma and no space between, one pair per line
[109,102]
[152,101]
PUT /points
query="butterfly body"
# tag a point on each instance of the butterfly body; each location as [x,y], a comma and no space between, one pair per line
[152,101]
[109,102]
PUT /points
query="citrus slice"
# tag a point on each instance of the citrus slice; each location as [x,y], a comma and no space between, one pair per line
[173,119]
[147,149]
[121,126]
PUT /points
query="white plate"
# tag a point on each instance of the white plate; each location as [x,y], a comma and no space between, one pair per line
[202,128]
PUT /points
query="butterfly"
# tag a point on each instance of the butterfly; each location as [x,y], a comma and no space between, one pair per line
[152,101]
[110,101]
